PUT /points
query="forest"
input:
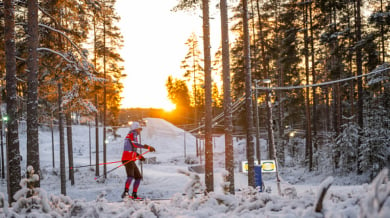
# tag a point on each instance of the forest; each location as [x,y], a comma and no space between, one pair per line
[311,73]
[318,77]
[59,59]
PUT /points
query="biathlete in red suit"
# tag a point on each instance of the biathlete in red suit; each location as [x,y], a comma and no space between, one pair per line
[129,157]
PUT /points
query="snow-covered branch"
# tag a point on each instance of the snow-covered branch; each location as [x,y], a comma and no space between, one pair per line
[62,33]
[57,53]
[47,14]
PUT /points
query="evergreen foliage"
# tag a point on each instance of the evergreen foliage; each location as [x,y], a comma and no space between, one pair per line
[347,143]
[58,33]
[330,37]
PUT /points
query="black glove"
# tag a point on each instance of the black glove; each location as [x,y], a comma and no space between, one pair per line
[140,157]
[151,149]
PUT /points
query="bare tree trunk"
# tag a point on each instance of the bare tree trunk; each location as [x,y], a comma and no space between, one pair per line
[337,120]
[262,44]
[2,145]
[280,110]
[335,74]
[257,75]
[264,63]
[270,132]
[13,153]
[97,173]
[359,80]
[281,141]
[209,177]
[338,108]
[52,141]
[327,109]
[62,140]
[70,146]
[257,126]
[229,150]
[32,94]
[104,97]
[248,97]
[272,153]
[97,137]
[383,39]
[350,69]
[309,148]
[314,76]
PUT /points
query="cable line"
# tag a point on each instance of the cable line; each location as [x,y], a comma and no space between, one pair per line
[321,84]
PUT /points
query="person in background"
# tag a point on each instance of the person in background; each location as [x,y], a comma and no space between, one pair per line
[129,157]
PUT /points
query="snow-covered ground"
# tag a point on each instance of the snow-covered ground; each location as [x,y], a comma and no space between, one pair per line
[170,180]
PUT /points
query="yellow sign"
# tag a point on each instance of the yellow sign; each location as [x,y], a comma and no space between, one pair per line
[268,166]
[244,166]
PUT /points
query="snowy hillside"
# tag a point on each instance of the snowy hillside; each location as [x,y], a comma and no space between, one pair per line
[166,180]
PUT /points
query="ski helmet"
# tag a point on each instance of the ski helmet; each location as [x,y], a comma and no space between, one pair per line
[135,125]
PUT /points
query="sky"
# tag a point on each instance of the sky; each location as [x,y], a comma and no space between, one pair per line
[154,46]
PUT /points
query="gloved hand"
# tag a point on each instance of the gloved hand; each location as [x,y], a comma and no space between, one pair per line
[151,149]
[141,158]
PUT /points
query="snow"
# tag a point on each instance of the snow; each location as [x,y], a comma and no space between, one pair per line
[181,191]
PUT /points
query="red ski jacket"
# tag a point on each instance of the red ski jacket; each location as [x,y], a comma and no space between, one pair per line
[131,143]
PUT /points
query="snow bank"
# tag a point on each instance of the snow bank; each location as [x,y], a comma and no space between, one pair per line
[183,192]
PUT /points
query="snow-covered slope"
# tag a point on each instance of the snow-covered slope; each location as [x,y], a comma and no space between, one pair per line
[166,179]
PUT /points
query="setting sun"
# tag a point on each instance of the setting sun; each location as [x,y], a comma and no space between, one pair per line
[146,97]
[153,50]
[169,107]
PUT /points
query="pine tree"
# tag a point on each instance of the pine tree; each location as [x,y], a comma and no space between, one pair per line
[183,4]
[381,24]
[179,95]
[194,72]
[347,143]
[32,94]
[288,103]
[209,167]
[227,103]
[376,135]
[13,153]
[248,96]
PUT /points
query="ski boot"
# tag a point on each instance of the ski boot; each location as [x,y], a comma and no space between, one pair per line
[135,197]
[125,194]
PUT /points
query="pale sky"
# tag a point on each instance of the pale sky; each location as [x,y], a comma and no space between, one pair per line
[154,47]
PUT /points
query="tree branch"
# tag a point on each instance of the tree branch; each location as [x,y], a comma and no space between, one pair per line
[57,53]
[71,42]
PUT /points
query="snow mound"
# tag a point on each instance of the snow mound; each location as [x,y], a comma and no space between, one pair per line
[166,137]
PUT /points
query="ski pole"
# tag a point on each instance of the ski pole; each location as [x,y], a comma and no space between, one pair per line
[134,159]
[90,165]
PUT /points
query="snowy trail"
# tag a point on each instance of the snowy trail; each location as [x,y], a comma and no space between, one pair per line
[88,198]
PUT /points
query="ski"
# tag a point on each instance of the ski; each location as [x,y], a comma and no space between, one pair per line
[101,178]
[145,200]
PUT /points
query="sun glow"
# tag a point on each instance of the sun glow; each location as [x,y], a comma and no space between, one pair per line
[169,107]
[154,48]
[150,98]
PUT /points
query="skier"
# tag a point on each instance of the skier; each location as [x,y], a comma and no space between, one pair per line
[129,157]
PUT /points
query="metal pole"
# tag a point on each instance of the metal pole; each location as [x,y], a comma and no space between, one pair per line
[2,150]
[89,134]
[185,146]
[272,152]
[258,154]
[142,169]
[52,141]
